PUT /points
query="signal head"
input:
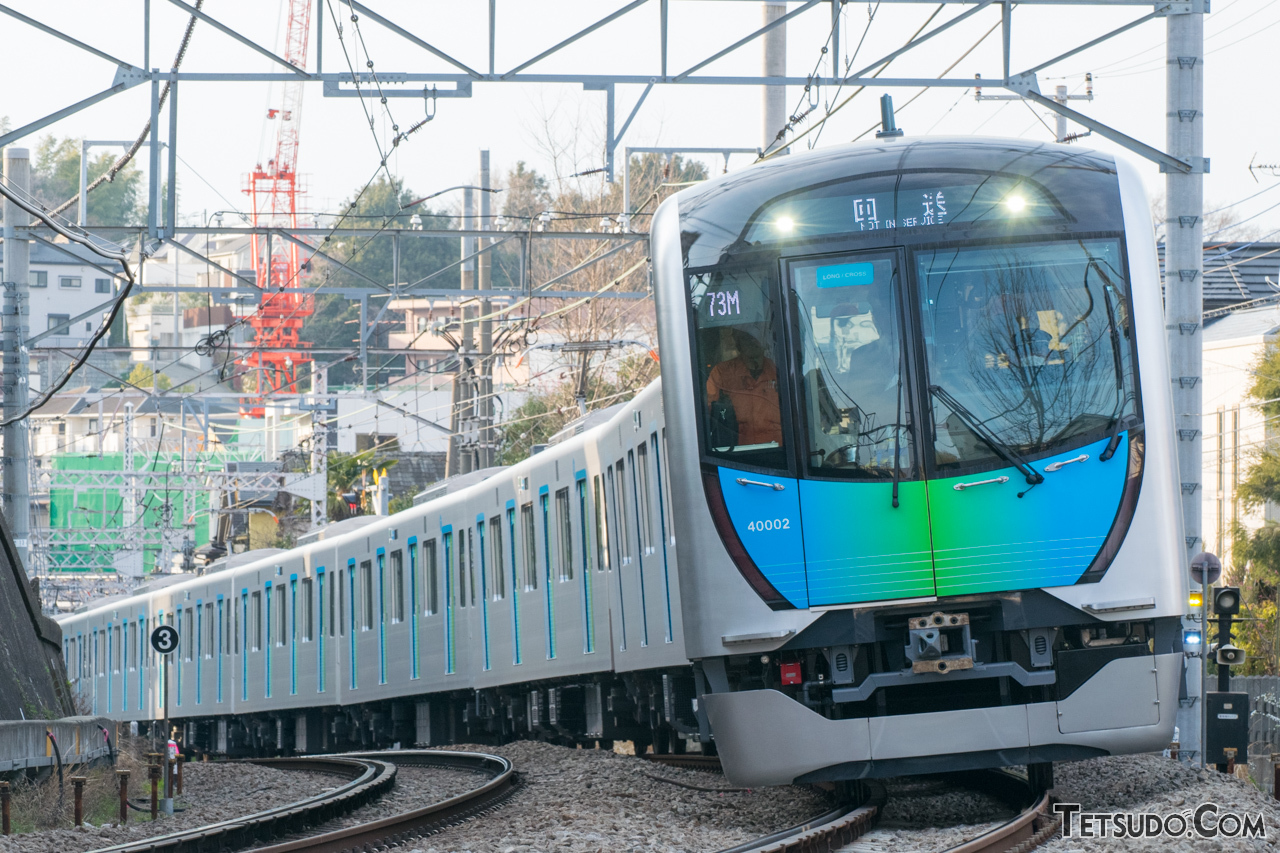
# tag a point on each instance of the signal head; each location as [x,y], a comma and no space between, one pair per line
[1226,601]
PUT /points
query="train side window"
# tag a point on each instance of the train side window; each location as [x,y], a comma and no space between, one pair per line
[281,613]
[530,548]
[664,471]
[602,546]
[209,630]
[564,536]
[471,563]
[397,586]
[257,621]
[623,515]
[188,634]
[366,593]
[461,598]
[585,520]
[497,562]
[645,498]
[432,576]
[134,658]
[308,612]
[737,362]
[335,613]
[118,649]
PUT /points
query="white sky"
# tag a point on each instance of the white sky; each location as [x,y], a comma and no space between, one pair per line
[222,131]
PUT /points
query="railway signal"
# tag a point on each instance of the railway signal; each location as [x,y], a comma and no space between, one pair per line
[1226,713]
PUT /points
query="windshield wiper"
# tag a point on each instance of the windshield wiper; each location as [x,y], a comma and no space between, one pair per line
[1033,477]
[1120,420]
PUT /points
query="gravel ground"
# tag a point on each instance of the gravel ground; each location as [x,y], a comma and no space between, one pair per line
[212,792]
[1153,785]
[573,801]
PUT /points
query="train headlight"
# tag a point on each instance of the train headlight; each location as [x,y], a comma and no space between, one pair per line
[785,224]
[1015,203]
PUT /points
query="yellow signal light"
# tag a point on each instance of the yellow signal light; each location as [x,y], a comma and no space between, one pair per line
[1196,599]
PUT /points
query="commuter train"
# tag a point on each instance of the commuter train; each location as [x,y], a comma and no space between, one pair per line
[904,501]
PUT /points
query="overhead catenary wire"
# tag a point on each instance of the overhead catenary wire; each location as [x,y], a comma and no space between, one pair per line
[110,174]
[822,122]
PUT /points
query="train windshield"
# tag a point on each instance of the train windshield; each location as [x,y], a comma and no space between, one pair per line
[738,357]
[1027,346]
[852,365]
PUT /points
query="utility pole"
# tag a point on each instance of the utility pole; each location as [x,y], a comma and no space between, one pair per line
[1184,300]
[13,327]
[319,440]
[775,65]
[484,382]
[460,457]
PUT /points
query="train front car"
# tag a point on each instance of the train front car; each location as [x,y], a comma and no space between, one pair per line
[924,477]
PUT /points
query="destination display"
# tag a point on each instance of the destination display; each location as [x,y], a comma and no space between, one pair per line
[878,204]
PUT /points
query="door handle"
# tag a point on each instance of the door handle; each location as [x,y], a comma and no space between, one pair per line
[960,487]
[1054,466]
[777,487]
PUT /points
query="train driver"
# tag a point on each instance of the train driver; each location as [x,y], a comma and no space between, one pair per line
[746,386]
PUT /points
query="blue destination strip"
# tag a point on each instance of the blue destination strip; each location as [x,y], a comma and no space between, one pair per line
[845,275]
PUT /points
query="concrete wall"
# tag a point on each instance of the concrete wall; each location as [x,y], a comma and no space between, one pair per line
[33,680]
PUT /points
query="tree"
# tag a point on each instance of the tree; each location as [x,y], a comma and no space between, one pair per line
[383,203]
[347,472]
[56,178]
[1255,556]
[142,376]
[578,204]
[544,414]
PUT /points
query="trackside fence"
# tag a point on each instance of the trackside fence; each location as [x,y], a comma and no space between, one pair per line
[25,744]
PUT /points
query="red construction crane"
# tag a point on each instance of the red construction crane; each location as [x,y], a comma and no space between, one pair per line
[273,199]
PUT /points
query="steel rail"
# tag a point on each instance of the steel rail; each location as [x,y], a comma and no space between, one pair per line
[421,822]
[694,761]
[368,779]
[825,832]
[1033,826]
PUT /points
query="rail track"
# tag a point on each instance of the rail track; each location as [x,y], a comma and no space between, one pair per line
[368,778]
[416,823]
[845,827]
[369,775]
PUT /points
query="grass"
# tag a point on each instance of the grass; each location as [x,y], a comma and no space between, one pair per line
[43,805]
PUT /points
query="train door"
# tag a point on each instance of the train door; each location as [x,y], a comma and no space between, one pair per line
[1031,390]
[862,497]
[753,489]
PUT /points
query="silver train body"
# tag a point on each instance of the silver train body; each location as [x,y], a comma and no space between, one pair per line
[635,580]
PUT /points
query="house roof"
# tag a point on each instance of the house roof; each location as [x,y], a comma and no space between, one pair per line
[1238,272]
[43,254]
[1258,322]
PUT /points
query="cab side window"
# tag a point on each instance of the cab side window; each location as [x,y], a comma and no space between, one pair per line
[737,363]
